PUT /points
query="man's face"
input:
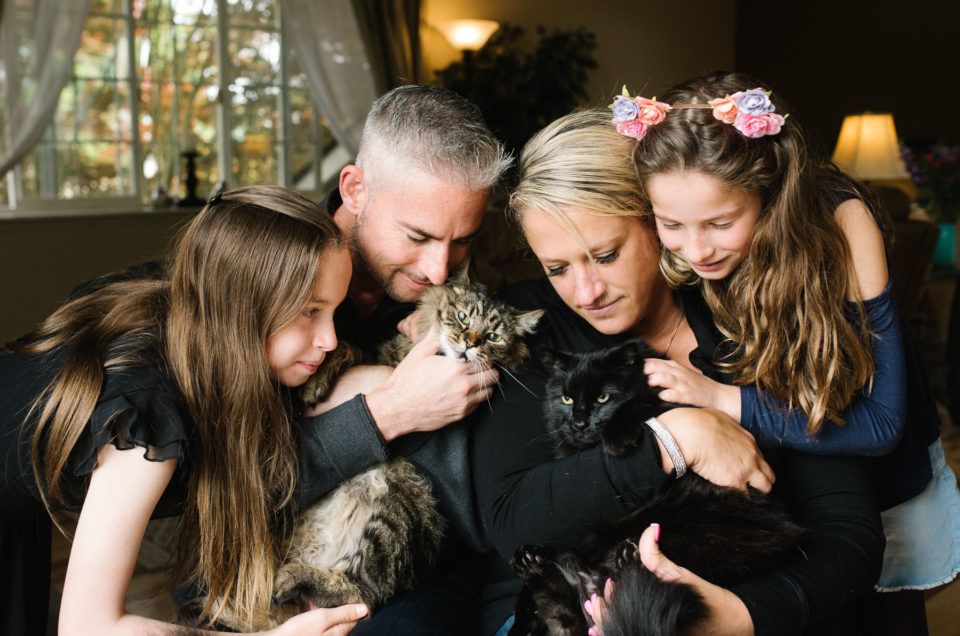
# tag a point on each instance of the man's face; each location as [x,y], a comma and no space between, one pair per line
[413,229]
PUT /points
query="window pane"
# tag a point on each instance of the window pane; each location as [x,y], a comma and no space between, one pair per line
[194,11]
[256,127]
[303,151]
[100,7]
[253,13]
[152,11]
[96,169]
[101,52]
[255,56]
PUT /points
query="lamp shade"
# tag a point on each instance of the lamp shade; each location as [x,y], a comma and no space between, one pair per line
[867,148]
[468,35]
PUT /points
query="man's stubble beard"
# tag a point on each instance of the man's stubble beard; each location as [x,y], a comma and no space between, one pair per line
[384,281]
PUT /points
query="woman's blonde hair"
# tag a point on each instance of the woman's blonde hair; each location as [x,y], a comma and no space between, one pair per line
[579,160]
[784,308]
[241,270]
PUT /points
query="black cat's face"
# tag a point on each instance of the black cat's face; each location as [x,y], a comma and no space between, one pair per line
[586,392]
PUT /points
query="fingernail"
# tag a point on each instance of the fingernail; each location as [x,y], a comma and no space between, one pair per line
[587,605]
[656,535]
[361,610]
[593,632]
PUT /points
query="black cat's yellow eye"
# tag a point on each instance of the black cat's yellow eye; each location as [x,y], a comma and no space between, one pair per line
[493,337]
[462,317]
[603,397]
[566,399]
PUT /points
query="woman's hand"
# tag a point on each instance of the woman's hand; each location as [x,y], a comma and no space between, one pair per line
[683,385]
[717,448]
[334,621]
[728,616]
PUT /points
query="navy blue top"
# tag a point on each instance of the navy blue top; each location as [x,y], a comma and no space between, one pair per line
[894,416]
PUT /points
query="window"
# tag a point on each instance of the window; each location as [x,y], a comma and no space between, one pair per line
[155,81]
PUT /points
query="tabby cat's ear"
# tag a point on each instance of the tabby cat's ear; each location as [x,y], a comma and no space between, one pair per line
[461,275]
[527,322]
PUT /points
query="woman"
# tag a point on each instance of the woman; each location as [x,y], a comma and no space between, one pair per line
[582,215]
[156,397]
[792,263]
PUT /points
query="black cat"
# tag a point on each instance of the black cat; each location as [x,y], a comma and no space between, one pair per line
[722,534]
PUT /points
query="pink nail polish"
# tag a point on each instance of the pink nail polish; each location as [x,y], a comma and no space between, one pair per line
[656,527]
[593,632]
[588,606]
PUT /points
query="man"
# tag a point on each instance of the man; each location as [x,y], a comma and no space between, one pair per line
[410,207]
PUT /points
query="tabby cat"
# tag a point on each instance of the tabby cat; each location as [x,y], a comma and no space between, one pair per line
[723,534]
[473,326]
[376,533]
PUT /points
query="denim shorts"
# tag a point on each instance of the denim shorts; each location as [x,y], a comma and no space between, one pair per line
[923,534]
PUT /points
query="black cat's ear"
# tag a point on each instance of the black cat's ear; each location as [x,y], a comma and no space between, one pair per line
[553,358]
[527,322]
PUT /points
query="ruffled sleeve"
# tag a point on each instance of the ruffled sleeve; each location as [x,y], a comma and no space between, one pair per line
[147,418]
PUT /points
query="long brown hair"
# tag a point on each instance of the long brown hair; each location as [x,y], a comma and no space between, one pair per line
[784,307]
[243,268]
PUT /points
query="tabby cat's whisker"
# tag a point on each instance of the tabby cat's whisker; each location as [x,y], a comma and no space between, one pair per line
[507,371]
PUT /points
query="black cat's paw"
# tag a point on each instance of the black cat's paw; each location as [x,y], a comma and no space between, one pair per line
[628,552]
[528,561]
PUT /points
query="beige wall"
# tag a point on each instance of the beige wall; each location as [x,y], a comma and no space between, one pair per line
[42,260]
[647,45]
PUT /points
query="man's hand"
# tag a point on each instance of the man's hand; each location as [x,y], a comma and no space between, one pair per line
[682,385]
[717,448]
[426,391]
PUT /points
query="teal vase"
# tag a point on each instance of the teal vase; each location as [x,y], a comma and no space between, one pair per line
[945,253]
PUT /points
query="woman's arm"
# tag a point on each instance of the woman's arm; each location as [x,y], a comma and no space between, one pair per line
[122,494]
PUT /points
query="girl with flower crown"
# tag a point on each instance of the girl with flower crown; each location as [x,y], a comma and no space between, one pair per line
[791,260]
[159,397]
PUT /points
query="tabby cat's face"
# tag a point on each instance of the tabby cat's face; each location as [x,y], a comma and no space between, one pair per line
[476,327]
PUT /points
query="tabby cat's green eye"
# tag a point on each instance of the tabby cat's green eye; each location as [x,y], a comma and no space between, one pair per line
[603,397]
[462,317]
[493,337]
[566,400]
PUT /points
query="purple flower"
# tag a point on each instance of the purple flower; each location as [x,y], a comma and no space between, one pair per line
[624,108]
[754,102]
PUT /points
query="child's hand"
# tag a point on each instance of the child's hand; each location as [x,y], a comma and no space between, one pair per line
[682,385]
[333,621]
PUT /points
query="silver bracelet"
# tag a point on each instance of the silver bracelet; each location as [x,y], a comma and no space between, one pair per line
[669,444]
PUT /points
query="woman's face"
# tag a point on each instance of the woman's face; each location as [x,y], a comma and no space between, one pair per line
[296,350]
[702,220]
[613,291]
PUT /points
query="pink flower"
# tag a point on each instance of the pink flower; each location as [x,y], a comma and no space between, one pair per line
[725,108]
[755,126]
[651,112]
[633,128]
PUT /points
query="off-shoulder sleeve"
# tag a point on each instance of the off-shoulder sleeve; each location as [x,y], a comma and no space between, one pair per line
[150,419]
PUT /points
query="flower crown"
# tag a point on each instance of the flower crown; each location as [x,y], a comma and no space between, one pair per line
[750,112]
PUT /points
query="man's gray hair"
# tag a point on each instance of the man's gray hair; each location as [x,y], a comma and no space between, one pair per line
[433,129]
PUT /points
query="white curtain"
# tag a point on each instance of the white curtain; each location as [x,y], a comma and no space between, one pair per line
[38,39]
[330,49]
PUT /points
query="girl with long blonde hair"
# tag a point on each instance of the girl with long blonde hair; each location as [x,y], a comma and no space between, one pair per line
[162,396]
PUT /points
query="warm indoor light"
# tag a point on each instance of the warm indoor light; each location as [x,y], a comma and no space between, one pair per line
[468,35]
[867,148]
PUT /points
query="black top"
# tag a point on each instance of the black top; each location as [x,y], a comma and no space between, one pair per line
[138,406]
[525,496]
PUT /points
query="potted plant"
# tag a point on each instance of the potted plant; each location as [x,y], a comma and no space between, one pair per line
[935,171]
